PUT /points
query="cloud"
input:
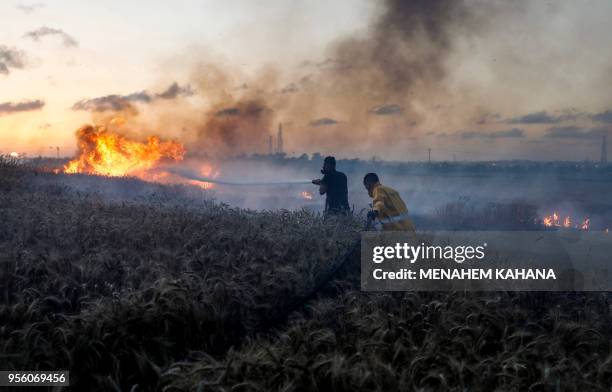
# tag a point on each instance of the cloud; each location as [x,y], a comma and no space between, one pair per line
[386,110]
[534,118]
[116,102]
[290,88]
[174,90]
[321,122]
[10,58]
[604,117]
[543,117]
[509,133]
[489,117]
[24,106]
[29,8]
[36,35]
[573,132]
[228,112]
[112,102]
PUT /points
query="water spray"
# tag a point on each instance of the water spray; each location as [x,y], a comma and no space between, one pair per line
[191,176]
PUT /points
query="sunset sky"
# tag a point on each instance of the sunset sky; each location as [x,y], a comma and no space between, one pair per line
[485,80]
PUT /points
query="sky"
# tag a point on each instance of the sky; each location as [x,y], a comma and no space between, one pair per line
[469,79]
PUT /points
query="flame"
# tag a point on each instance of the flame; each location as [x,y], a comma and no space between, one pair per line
[207,170]
[108,153]
[567,222]
[585,224]
[306,195]
[554,220]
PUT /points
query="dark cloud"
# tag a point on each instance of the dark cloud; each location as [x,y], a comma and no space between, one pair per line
[386,110]
[36,35]
[509,133]
[603,117]
[115,102]
[29,8]
[488,118]
[573,132]
[228,112]
[10,58]
[24,106]
[112,102]
[174,90]
[291,88]
[323,122]
[543,117]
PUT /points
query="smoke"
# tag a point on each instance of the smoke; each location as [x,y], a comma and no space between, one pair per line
[423,69]
[389,74]
[239,128]
[239,115]
[36,35]
[385,84]
[25,106]
[10,58]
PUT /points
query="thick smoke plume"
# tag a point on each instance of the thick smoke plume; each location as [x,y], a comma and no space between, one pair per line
[387,75]
[384,83]
[235,129]
[423,72]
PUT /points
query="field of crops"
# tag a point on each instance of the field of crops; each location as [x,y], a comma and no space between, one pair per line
[135,286]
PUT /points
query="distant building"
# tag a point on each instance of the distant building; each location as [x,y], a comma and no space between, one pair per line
[279,139]
[604,151]
[270,148]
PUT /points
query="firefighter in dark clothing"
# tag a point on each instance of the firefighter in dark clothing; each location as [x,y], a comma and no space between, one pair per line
[334,186]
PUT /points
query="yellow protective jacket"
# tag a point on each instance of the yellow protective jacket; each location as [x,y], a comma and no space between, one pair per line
[388,203]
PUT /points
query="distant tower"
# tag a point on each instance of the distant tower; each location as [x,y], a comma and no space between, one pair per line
[279,139]
[604,151]
[429,152]
[270,150]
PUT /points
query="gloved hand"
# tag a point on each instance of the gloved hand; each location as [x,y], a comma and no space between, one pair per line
[316,182]
[372,214]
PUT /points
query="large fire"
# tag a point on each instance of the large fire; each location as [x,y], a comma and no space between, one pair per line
[555,220]
[103,152]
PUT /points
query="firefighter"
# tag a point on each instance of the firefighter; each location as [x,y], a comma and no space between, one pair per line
[388,209]
[334,186]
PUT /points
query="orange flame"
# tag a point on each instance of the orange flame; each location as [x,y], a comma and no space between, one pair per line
[567,222]
[206,170]
[107,153]
[306,195]
[555,221]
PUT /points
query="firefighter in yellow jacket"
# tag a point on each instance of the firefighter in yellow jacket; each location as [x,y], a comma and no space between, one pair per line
[388,208]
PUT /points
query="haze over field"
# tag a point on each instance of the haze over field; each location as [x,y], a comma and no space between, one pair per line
[472,79]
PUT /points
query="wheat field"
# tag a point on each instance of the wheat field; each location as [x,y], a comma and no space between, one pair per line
[144,287]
